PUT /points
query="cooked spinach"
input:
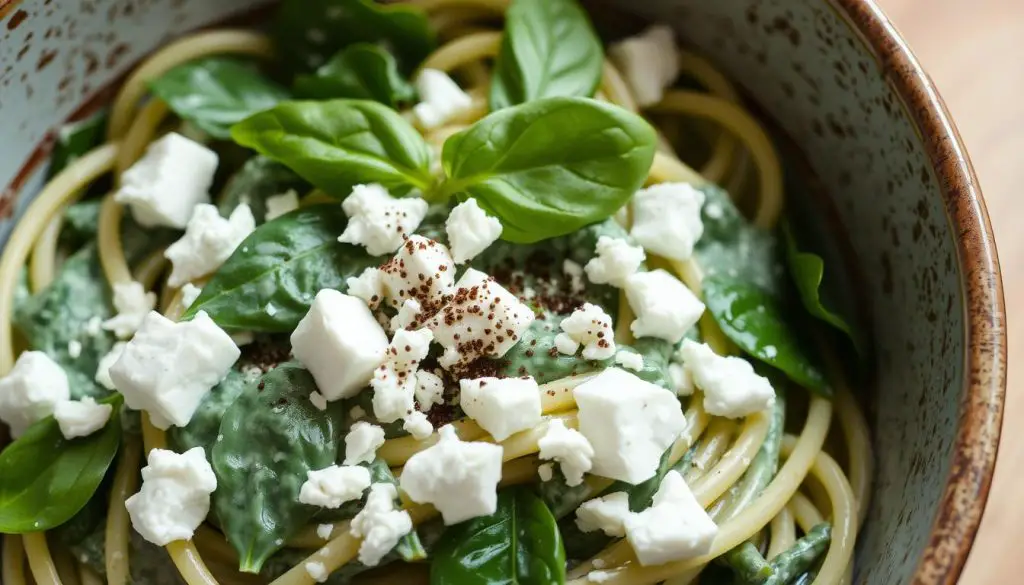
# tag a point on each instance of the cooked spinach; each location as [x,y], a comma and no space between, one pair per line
[258,179]
[75,139]
[203,429]
[81,222]
[361,71]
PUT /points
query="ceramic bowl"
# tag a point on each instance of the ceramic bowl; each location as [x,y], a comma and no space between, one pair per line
[841,82]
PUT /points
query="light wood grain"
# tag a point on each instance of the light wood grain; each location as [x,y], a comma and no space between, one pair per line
[971,49]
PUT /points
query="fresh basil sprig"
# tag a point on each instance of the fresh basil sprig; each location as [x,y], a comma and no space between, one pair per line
[361,71]
[47,479]
[549,49]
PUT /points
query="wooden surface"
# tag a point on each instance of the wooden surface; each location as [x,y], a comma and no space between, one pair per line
[971,49]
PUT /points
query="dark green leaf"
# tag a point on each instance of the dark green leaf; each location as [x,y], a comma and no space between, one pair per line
[519,544]
[81,221]
[216,92]
[361,71]
[47,479]
[551,166]
[549,49]
[76,139]
[204,427]
[269,282]
[340,143]
[258,179]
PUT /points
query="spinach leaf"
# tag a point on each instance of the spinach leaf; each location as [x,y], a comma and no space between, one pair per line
[340,143]
[47,479]
[270,280]
[75,139]
[549,49]
[360,71]
[519,544]
[81,222]
[258,481]
[258,179]
[216,92]
[550,166]
[204,427]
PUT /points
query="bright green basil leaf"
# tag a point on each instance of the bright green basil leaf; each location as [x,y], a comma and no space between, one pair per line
[758,322]
[360,71]
[269,438]
[518,544]
[47,479]
[549,49]
[75,139]
[270,280]
[340,143]
[216,92]
[258,179]
[550,166]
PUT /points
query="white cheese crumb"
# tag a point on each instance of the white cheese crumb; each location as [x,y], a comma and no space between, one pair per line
[81,418]
[175,495]
[317,571]
[614,261]
[94,326]
[575,273]
[599,576]
[666,219]
[648,61]
[362,442]
[318,400]
[407,315]
[566,344]
[102,376]
[379,221]
[681,379]
[441,99]
[546,471]
[368,286]
[394,382]
[731,387]
[278,205]
[502,406]
[422,269]
[74,349]
[324,531]
[208,241]
[664,307]
[189,294]
[630,360]
[674,528]
[332,486]
[133,303]
[429,389]
[417,425]
[379,524]
[470,230]
[607,514]
[569,448]
[591,326]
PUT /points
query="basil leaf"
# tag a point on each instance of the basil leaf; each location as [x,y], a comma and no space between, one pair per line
[551,166]
[270,280]
[216,92]
[757,322]
[549,49]
[258,481]
[258,179]
[340,143]
[360,71]
[47,479]
[519,544]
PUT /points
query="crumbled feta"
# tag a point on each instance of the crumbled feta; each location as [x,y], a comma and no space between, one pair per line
[422,269]
[102,376]
[441,99]
[599,576]
[208,241]
[318,400]
[674,528]
[459,478]
[731,387]
[168,368]
[74,349]
[379,524]
[31,390]
[189,294]
[569,448]
[666,219]
[417,425]
[362,442]
[649,62]
[81,418]
[175,495]
[607,514]
[316,571]
[590,326]
[546,471]
[357,413]
[133,303]
[681,379]
[94,326]
[340,343]
[332,486]
[629,422]
[630,360]
[407,315]
[663,306]
[615,260]
[470,230]
[575,273]
[324,530]
[171,178]
[483,319]
[368,286]
[394,382]
[566,344]
[429,389]
[502,406]
[379,221]
[278,205]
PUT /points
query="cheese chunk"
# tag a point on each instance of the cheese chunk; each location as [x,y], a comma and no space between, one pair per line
[607,514]
[569,448]
[81,418]
[649,62]
[731,387]
[362,442]
[666,219]
[31,390]
[332,486]
[278,205]
[441,99]
[663,306]
[674,528]
[175,496]
[422,270]
[394,382]
[133,303]
[591,327]
[502,406]
[209,240]
[379,524]
[470,230]
[378,221]
[615,260]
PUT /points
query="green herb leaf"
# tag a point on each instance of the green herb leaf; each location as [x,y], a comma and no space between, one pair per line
[517,544]
[216,92]
[361,71]
[204,427]
[75,139]
[270,280]
[551,166]
[549,49]
[258,179]
[340,143]
[47,479]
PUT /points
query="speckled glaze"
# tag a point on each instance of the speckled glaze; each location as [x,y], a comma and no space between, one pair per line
[841,82]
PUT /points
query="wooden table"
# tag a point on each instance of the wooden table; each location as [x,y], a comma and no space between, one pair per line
[972,48]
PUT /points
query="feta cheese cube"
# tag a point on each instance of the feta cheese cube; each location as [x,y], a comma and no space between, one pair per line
[429,389]
[332,486]
[502,406]
[630,360]
[629,422]
[378,221]
[74,349]
[379,524]
[470,230]
[615,261]
[649,62]
[666,219]
[569,448]
[442,99]
[394,382]
[168,367]
[459,478]
[102,376]
[674,528]
[368,286]
[362,442]
[209,240]
[407,314]
[133,303]
[731,387]
[590,326]
[607,514]
[340,343]
[81,418]
[171,178]
[318,400]
[31,390]
[417,425]
[423,270]
[189,294]
[278,205]
[663,306]
[175,496]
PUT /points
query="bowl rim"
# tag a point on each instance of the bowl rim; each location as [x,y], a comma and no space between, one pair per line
[984,379]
